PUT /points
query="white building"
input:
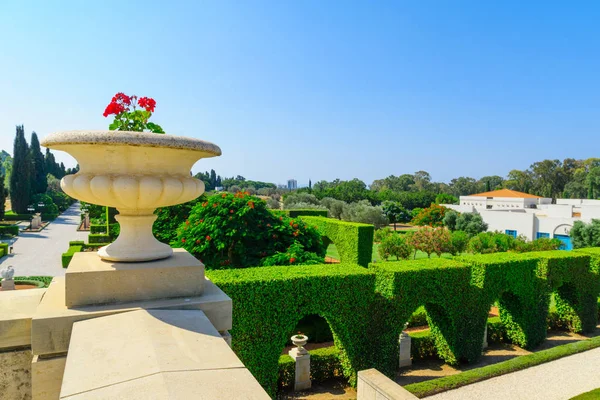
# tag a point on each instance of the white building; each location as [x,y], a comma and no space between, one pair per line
[517,213]
[292,184]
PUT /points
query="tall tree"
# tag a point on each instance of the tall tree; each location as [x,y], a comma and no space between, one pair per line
[2,197]
[20,181]
[39,182]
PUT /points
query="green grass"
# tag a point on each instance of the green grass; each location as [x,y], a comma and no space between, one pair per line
[333,253]
[591,395]
[439,385]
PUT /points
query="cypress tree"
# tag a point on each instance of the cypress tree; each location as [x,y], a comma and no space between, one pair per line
[39,182]
[2,197]
[20,181]
[590,190]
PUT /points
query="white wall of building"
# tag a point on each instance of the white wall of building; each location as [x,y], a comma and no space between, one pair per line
[522,222]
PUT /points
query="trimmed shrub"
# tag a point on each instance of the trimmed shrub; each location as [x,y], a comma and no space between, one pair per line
[3,249]
[99,238]
[354,241]
[299,213]
[324,364]
[12,230]
[45,280]
[268,302]
[17,217]
[422,345]
[76,243]
[68,255]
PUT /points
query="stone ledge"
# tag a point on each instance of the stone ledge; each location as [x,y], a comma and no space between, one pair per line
[91,280]
[148,353]
[53,321]
[46,377]
[373,385]
[17,307]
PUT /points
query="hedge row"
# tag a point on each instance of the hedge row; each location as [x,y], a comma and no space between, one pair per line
[324,364]
[307,212]
[9,230]
[3,249]
[44,280]
[17,217]
[99,238]
[367,308]
[68,255]
[354,241]
[268,302]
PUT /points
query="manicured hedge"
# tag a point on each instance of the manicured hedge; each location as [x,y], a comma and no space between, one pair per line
[99,238]
[268,302]
[301,213]
[9,230]
[76,243]
[17,217]
[3,249]
[49,217]
[114,229]
[324,364]
[68,255]
[354,241]
[45,280]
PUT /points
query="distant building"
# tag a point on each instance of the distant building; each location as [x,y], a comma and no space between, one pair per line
[517,213]
[292,184]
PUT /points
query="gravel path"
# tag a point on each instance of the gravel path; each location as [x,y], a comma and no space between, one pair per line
[557,380]
[38,253]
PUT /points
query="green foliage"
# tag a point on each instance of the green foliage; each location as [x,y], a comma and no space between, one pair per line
[540,244]
[394,245]
[324,365]
[490,242]
[113,231]
[422,345]
[99,238]
[3,249]
[395,212]
[591,395]
[238,230]
[45,280]
[433,386]
[459,241]
[381,234]
[39,180]
[169,219]
[276,298]
[3,193]
[295,254]
[471,223]
[12,230]
[299,213]
[445,198]
[68,255]
[450,218]
[17,217]
[20,178]
[431,216]
[586,235]
[354,241]
[365,213]
[48,206]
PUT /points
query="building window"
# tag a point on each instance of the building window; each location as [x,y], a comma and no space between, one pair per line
[511,233]
[542,235]
[488,207]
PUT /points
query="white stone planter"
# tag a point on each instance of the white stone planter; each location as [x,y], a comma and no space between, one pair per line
[136,172]
[300,341]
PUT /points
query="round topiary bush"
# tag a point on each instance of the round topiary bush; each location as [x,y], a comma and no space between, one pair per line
[238,230]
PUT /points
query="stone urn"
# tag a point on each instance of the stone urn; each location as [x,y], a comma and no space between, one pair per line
[300,341]
[135,172]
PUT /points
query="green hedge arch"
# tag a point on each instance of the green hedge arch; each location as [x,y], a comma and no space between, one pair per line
[268,302]
[354,241]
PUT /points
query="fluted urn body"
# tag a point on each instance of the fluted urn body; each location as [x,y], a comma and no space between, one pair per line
[135,172]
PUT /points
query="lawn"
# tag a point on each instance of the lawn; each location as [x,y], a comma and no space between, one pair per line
[333,253]
[594,394]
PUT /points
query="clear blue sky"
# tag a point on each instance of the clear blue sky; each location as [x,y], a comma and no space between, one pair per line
[318,89]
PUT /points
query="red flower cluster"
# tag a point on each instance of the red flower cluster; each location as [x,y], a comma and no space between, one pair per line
[292,260]
[117,104]
[148,103]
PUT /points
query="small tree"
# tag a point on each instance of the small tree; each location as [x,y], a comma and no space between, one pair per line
[586,235]
[395,212]
[450,219]
[39,182]
[394,245]
[459,240]
[431,216]
[472,223]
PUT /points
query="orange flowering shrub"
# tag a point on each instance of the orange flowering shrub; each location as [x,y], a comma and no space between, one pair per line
[237,230]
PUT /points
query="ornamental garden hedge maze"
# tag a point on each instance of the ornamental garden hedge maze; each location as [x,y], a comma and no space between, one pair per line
[366,308]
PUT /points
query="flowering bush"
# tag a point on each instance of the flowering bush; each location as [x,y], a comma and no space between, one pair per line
[128,117]
[431,216]
[431,240]
[237,230]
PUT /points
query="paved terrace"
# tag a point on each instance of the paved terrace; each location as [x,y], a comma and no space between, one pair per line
[38,253]
[556,380]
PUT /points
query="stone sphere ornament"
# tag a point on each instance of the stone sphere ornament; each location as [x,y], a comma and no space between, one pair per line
[135,172]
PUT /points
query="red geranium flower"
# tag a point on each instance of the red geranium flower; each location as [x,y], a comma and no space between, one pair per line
[182,240]
[292,260]
[208,237]
[147,103]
